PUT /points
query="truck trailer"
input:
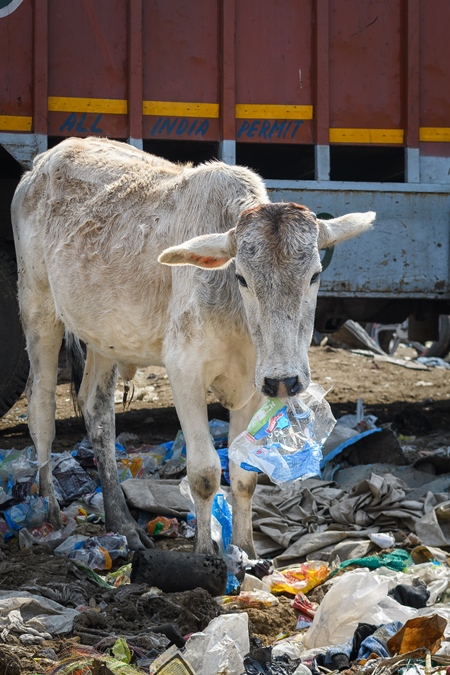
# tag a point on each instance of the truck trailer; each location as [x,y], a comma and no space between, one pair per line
[341,105]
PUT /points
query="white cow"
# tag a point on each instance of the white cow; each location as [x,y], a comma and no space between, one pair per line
[231,307]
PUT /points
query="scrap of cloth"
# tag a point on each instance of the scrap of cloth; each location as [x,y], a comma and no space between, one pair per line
[315,518]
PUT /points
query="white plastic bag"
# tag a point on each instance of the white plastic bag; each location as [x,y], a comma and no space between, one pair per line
[356,597]
[221,647]
[285,437]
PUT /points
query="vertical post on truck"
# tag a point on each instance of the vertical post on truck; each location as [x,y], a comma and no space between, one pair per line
[135,84]
[227,148]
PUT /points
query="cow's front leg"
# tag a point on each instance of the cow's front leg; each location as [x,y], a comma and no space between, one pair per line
[203,463]
[99,414]
[243,482]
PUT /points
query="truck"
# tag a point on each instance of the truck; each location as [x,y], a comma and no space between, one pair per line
[341,105]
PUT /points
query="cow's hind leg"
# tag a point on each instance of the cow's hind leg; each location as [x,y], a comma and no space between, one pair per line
[44,333]
[243,482]
[99,415]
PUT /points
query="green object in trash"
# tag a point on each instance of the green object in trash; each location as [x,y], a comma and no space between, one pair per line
[397,561]
[121,650]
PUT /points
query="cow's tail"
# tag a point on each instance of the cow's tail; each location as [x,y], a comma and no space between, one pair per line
[76,360]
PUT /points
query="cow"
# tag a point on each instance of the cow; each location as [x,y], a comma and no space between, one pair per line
[153,263]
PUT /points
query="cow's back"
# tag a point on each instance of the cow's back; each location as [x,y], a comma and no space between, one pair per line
[90,220]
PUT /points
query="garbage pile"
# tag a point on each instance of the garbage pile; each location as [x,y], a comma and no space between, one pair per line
[352,571]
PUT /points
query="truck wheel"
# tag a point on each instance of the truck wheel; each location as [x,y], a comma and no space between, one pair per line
[392,335]
[442,345]
[14,365]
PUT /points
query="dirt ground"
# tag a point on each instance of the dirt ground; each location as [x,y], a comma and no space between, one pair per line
[416,402]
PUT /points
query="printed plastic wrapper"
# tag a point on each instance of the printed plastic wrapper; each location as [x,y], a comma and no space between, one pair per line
[302,578]
[163,527]
[120,576]
[285,437]
[306,610]
[245,599]
[171,662]
[72,478]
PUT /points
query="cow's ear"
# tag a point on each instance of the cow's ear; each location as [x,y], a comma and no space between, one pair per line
[210,251]
[339,229]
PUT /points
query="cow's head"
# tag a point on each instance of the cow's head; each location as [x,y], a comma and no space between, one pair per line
[277,265]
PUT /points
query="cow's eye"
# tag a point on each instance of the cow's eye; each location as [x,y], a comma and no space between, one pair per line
[241,280]
[315,277]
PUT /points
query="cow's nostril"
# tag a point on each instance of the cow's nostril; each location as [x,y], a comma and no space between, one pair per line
[292,385]
[270,387]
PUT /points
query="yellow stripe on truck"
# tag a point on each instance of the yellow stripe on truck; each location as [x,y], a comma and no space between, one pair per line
[15,123]
[368,136]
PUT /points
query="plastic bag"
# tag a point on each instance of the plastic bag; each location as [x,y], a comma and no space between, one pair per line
[45,534]
[221,647]
[32,512]
[18,474]
[221,532]
[70,544]
[245,599]
[97,553]
[356,597]
[285,437]
[302,578]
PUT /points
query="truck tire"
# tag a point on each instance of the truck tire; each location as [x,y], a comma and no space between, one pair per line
[14,365]
[442,345]
[389,341]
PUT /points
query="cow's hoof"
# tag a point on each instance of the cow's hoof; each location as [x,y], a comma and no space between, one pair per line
[54,514]
[137,539]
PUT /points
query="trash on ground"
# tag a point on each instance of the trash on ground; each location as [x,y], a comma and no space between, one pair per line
[295,579]
[221,647]
[361,577]
[258,599]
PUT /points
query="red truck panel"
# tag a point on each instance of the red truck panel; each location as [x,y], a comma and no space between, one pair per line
[435,78]
[181,65]
[274,68]
[88,59]
[256,71]
[366,68]
[16,68]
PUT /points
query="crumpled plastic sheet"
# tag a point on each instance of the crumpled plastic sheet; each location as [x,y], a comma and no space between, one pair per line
[161,497]
[33,617]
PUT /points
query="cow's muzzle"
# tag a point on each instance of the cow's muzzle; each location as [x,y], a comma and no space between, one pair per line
[290,386]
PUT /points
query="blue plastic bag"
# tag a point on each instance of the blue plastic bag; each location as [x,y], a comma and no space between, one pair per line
[285,437]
